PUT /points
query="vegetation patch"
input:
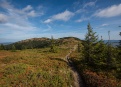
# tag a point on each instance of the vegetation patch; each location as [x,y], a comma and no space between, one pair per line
[35,68]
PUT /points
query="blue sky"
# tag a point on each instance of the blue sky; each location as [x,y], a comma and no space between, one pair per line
[23,19]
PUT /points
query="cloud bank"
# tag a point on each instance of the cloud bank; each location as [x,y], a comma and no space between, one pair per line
[114,10]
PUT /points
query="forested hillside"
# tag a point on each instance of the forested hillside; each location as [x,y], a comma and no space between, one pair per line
[40,43]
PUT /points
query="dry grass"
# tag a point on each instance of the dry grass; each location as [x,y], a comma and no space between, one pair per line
[34,68]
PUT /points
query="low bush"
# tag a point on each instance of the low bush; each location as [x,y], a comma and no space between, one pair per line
[94,80]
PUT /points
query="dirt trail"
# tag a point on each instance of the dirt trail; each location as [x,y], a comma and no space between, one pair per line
[77,78]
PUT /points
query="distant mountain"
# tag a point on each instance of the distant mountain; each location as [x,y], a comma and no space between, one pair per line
[7,43]
[113,42]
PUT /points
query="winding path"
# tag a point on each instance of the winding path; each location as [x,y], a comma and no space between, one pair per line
[77,78]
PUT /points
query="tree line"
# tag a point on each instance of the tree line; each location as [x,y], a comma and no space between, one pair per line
[26,45]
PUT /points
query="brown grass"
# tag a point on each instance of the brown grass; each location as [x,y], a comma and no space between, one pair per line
[34,67]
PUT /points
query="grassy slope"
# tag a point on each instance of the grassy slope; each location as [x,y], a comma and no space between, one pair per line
[34,68]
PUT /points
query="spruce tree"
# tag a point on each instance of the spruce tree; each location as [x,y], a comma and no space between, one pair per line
[101,50]
[13,48]
[89,45]
[109,55]
[52,45]
[101,54]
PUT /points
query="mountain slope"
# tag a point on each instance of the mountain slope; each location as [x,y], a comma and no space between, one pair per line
[43,42]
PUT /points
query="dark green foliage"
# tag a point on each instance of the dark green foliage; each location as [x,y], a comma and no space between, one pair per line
[13,48]
[109,52]
[99,63]
[100,58]
[52,45]
[98,55]
[2,47]
[23,47]
[101,55]
[90,45]
[30,44]
[118,58]
[119,46]
[120,41]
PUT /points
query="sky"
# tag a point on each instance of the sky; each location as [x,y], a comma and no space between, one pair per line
[24,19]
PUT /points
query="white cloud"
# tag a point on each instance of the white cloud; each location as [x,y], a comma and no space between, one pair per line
[18,16]
[83,6]
[47,21]
[104,25]
[32,13]
[114,10]
[64,16]
[6,5]
[28,11]
[82,19]
[80,11]
[18,27]
[28,8]
[3,18]
[84,11]
[89,4]
[16,20]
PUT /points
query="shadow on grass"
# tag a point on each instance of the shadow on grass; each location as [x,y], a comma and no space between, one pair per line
[58,59]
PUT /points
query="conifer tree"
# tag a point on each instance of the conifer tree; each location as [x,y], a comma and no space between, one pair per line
[101,54]
[89,45]
[102,47]
[52,45]
[13,48]
[2,47]
[109,59]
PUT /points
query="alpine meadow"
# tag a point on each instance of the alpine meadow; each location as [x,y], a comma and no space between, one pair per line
[60,43]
